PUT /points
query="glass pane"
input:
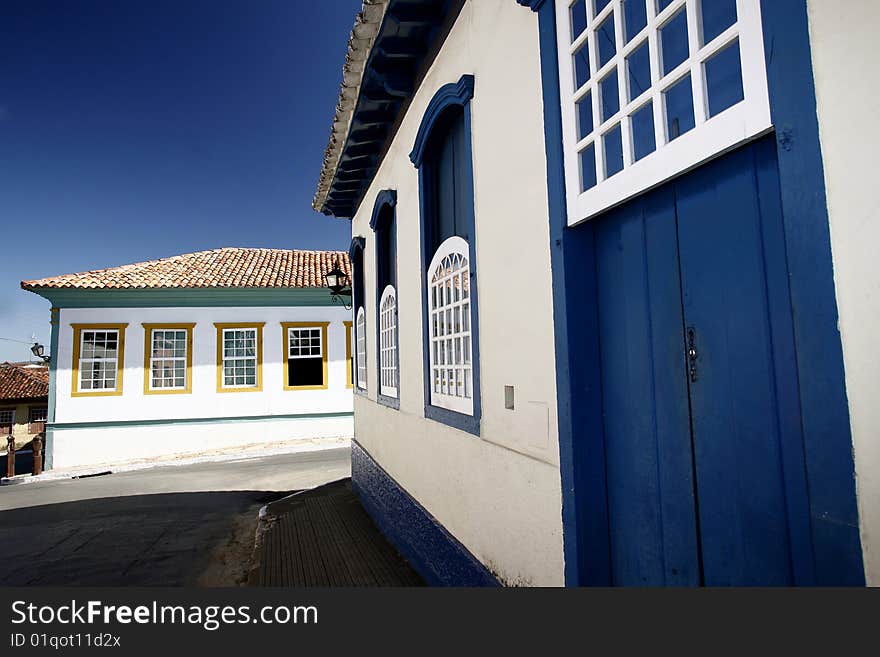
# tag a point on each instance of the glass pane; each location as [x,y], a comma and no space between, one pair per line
[609,97]
[578,14]
[600,5]
[581,67]
[724,83]
[588,167]
[644,142]
[585,116]
[718,15]
[674,41]
[613,143]
[663,4]
[638,66]
[635,17]
[679,108]
[605,40]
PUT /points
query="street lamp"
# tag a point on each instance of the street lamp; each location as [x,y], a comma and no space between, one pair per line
[339,293]
[39,350]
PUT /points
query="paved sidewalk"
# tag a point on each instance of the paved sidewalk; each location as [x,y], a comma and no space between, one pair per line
[323,537]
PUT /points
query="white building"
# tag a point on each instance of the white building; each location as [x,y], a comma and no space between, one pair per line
[193,353]
[615,298]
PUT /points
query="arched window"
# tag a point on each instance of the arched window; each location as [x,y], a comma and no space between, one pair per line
[388,372]
[360,332]
[356,253]
[383,223]
[442,153]
[449,325]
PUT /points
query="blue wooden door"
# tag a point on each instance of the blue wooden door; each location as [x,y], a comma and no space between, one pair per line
[704,457]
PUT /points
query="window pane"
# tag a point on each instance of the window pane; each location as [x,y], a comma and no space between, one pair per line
[585,116]
[718,15]
[635,17]
[663,4]
[581,66]
[608,95]
[638,66]
[605,40]
[588,167]
[724,84]
[644,142]
[578,18]
[674,41]
[679,108]
[600,5]
[613,144]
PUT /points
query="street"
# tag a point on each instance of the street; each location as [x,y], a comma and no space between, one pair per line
[165,526]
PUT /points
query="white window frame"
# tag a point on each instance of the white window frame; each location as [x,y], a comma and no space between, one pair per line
[83,361]
[183,359]
[388,367]
[360,337]
[448,365]
[300,329]
[256,358]
[709,138]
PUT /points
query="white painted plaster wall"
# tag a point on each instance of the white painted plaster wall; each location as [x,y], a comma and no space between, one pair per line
[844,47]
[108,445]
[204,401]
[499,494]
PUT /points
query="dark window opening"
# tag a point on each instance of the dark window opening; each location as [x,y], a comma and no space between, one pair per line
[305,372]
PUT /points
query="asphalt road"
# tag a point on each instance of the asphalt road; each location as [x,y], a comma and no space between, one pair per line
[168,526]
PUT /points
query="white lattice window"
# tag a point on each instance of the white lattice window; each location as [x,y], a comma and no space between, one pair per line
[360,334]
[449,321]
[240,358]
[652,88]
[388,372]
[168,359]
[98,359]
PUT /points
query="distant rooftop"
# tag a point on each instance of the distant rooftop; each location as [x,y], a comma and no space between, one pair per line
[220,268]
[23,381]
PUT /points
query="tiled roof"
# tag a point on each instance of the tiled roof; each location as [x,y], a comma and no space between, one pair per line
[226,267]
[19,381]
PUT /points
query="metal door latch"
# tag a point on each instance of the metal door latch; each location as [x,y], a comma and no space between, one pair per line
[691,355]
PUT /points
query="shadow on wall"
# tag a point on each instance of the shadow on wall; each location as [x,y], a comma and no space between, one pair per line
[176,539]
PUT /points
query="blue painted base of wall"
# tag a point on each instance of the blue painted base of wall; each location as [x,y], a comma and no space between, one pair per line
[431,550]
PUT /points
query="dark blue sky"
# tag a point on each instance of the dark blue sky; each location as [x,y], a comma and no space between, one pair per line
[136,130]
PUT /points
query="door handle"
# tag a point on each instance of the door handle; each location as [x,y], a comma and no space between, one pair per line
[692,354]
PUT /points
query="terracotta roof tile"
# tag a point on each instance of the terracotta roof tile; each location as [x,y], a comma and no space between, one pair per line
[226,267]
[18,381]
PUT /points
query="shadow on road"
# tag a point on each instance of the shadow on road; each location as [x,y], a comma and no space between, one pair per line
[166,539]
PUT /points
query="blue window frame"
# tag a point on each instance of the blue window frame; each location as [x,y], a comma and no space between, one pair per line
[442,153]
[384,226]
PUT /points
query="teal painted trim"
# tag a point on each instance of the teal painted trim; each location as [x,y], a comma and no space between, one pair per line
[187,297]
[49,446]
[198,420]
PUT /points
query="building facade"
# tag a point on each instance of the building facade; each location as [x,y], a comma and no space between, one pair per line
[200,352]
[613,297]
[24,390]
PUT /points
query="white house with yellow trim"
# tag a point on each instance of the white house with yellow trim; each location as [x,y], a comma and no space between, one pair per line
[194,353]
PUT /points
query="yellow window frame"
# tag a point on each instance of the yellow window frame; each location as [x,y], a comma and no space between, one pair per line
[285,353]
[148,344]
[349,380]
[120,359]
[220,326]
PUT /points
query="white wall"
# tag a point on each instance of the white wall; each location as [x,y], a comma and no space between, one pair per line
[204,401]
[844,47]
[91,446]
[499,493]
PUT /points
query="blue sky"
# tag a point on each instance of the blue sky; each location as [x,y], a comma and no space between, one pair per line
[137,130]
